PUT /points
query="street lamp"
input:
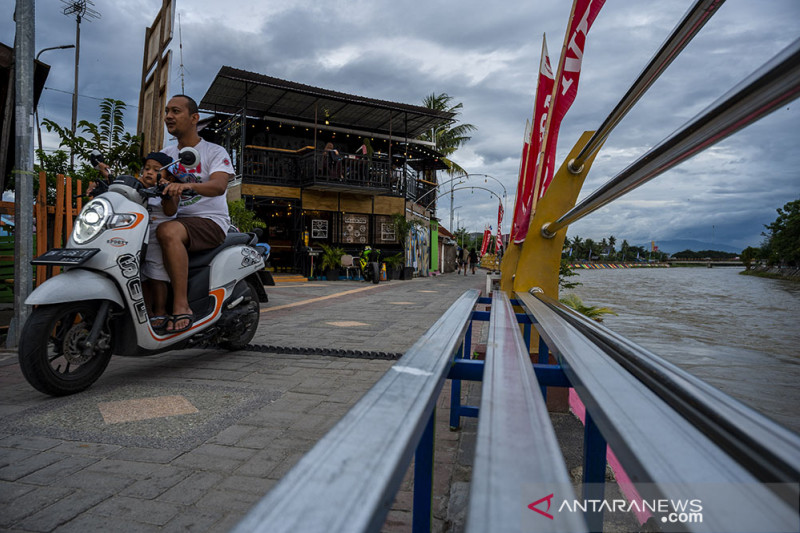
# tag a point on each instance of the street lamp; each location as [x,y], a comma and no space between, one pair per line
[79,8]
[36,110]
[469,187]
[505,193]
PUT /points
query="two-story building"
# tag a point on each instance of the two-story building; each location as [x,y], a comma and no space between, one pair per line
[277,132]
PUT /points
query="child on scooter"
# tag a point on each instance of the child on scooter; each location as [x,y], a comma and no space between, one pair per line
[154,276]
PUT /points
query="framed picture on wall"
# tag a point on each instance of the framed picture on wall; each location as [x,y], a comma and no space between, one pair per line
[319,229]
[355,229]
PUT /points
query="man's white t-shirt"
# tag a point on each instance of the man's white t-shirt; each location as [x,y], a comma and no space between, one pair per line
[213,158]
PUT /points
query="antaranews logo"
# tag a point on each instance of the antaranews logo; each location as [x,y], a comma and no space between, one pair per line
[533,507]
[681,511]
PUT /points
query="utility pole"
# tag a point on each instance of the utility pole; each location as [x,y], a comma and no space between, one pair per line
[24,44]
[80,8]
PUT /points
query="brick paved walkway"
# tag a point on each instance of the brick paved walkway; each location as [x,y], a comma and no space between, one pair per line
[190,440]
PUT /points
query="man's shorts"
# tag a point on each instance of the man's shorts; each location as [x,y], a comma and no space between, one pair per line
[204,234]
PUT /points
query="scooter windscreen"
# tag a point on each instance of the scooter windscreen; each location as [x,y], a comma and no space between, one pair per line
[129,187]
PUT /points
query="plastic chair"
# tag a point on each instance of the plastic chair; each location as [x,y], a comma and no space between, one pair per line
[349,264]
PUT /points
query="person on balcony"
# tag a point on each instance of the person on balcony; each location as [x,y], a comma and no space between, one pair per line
[364,153]
[332,161]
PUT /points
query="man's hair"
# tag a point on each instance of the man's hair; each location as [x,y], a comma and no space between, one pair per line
[190,103]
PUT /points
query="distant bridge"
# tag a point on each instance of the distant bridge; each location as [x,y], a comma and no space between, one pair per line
[706,262]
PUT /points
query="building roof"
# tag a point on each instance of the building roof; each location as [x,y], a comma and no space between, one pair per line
[272,98]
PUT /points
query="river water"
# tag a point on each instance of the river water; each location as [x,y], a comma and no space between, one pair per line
[738,333]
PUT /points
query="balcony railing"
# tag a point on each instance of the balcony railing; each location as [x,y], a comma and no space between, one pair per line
[349,172]
[270,167]
[315,170]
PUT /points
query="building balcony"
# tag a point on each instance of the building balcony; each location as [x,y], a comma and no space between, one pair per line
[314,170]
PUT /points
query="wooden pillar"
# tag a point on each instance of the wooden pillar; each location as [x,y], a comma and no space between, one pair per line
[41,226]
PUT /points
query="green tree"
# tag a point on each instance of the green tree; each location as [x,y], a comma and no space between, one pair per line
[243,218]
[577,247]
[748,255]
[784,235]
[590,248]
[624,249]
[565,272]
[122,151]
[451,136]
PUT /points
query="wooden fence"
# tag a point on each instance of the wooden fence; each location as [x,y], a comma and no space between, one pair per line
[53,221]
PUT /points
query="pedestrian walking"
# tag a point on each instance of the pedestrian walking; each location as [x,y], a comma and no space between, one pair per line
[473,260]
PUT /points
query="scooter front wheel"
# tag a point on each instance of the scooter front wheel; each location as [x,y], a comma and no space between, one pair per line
[375,272]
[51,348]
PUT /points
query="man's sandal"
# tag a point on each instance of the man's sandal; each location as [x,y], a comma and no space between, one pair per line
[159,323]
[175,318]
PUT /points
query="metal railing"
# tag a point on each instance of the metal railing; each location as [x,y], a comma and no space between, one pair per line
[318,168]
[770,452]
[694,19]
[770,87]
[347,482]
[673,434]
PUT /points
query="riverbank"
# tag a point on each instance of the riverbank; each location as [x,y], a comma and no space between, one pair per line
[789,273]
[596,266]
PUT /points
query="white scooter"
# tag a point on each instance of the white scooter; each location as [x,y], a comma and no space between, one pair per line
[95,308]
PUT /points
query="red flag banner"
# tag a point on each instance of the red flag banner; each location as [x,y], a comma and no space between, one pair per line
[526,143]
[487,236]
[584,12]
[499,243]
[525,188]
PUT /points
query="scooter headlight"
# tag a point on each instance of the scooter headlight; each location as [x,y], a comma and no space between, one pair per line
[92,220]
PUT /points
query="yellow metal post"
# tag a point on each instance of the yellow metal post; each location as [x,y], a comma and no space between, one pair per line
[536,262]
[540,257]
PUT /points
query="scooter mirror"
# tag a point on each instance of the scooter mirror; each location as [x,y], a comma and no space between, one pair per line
[189,157]
[95,158]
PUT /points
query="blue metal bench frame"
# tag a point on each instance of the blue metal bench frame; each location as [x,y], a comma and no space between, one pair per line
[349,480]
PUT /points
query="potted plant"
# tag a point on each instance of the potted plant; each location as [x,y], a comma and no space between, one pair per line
[331,261]
[394,265]
[402,228]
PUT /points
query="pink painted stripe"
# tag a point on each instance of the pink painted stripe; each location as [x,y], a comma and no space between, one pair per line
[623,481]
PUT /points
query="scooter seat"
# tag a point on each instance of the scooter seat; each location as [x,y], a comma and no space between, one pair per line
[198,259]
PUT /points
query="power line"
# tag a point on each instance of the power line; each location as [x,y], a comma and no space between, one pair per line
[87,96]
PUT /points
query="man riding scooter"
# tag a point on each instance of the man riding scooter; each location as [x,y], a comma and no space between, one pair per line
[202,220]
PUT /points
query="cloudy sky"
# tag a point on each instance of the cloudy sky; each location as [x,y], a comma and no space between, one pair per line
[485,55]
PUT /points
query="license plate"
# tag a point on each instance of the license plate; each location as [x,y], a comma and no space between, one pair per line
[65,257]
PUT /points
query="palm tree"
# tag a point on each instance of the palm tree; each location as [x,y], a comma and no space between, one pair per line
[449,137]
[577,247]
[624,249]
[590,245]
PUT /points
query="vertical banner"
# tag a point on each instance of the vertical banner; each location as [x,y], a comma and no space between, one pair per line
[499,243]
[487,236]
[584,12]
[525,190]
[526,143]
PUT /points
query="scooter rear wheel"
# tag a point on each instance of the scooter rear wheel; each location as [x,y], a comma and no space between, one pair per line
[244,329]
[51,348]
